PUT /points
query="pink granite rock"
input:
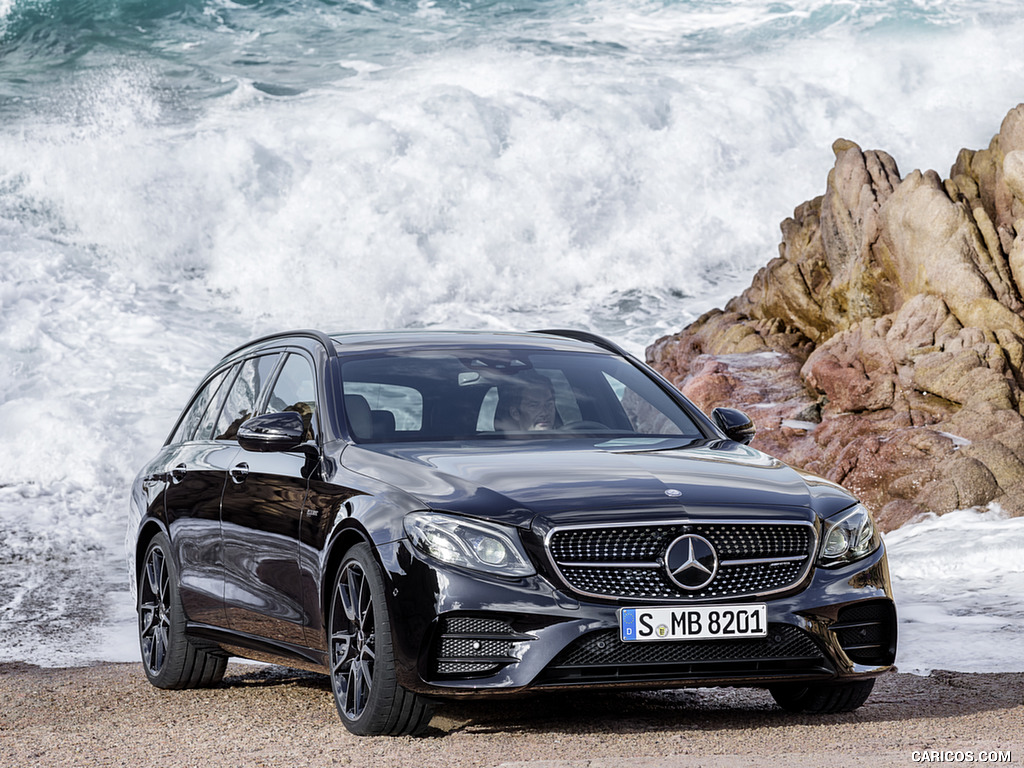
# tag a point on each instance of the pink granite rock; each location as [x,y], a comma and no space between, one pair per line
[884,347]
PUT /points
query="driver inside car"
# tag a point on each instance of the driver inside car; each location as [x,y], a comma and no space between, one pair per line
[526,403]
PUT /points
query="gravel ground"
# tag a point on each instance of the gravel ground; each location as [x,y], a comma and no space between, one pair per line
[269,716]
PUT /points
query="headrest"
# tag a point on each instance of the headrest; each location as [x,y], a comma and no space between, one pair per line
[359,421]
[383,424]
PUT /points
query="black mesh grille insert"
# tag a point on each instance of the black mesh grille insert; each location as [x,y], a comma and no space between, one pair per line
[866,632]
[602,656]
[464,667]
[467,647]
[476,625]
[474,645]
[628,561]
[606,648]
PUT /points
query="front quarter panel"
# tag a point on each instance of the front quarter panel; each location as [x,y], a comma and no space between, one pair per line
[342,508]
[376,505]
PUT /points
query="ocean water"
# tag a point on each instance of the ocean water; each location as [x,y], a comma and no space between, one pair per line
[177,176]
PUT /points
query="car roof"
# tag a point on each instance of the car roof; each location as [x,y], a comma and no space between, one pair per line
[336,344]
[409,339]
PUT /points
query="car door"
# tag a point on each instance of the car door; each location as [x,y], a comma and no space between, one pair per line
[197,465]
[261,514]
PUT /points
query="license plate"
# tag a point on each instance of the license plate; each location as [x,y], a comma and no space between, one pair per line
[705,622]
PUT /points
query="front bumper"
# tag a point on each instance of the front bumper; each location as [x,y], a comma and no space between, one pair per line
[461,633]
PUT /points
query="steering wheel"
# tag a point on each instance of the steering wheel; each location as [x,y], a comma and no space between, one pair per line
[584,426]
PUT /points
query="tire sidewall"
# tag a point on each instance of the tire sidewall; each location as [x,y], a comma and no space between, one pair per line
[170,672]
[373,719]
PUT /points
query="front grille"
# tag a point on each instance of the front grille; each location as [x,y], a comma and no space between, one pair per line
[628,562]
[734,541]
[602,656]
[866,632]
[469,646]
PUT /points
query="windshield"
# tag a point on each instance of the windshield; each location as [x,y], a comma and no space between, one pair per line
[464,394]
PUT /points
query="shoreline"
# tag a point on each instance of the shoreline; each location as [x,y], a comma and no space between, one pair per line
[108,714]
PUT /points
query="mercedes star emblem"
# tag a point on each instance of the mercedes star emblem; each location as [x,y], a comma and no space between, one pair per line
[691,562]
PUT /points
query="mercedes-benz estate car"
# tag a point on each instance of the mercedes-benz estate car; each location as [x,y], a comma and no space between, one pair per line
[422,515]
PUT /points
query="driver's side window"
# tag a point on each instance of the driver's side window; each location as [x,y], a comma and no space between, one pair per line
[295,390]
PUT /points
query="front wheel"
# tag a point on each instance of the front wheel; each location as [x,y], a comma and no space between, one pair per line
[370,700]
[169,658]
[823,698]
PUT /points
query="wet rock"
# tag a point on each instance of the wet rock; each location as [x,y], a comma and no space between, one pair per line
[883,348]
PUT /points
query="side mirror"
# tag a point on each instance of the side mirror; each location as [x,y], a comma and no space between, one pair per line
[736,424]
[272,432]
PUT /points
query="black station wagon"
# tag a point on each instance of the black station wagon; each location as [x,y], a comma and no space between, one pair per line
[423,515]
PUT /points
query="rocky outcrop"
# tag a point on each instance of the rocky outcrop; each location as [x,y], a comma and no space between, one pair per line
[884,347]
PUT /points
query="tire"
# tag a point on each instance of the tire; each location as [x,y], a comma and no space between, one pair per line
[369,698]
[823,699]
[169,658]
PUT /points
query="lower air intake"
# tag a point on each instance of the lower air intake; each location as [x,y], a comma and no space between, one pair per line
[602,657]
[473,646]
[867,632]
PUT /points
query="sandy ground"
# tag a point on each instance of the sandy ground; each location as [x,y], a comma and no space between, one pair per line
[268,716]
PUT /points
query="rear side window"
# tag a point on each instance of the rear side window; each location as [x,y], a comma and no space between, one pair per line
[209,422]
[244,395]
[194,415]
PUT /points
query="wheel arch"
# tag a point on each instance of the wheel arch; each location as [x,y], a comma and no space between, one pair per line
[146,534]
[344,539]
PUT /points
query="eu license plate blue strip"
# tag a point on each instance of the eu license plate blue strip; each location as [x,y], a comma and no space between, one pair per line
[628,622]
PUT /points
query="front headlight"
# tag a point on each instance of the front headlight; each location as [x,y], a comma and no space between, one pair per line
[848,536]
[470,543]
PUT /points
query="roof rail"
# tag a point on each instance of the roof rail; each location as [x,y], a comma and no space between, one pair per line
[308,333]
[593,338]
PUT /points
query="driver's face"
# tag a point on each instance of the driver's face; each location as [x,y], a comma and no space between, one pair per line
[536,409]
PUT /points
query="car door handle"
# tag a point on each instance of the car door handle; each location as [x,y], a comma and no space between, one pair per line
[178,473]
[239,472]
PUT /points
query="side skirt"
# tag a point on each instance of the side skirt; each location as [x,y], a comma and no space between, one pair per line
[261,649]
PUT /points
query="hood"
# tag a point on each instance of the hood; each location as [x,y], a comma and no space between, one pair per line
[565,481]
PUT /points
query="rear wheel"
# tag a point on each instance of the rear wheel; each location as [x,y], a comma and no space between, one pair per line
[169,658]
[370,700]
[823,699]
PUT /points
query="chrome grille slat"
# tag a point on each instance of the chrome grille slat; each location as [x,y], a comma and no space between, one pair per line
[626,561]
[611,565]
[758,560]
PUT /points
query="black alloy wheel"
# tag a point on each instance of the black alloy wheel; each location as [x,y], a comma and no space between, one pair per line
[169,658]
[369,698]
[154,611]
